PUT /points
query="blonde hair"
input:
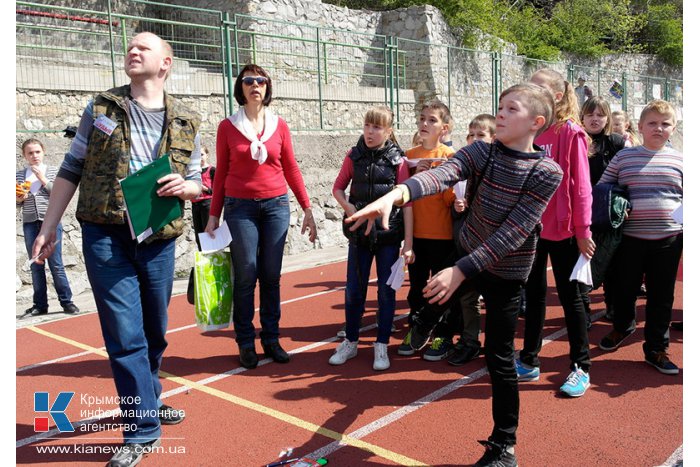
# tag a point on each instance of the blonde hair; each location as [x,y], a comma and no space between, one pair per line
[659,106]
[383,116]
[629,128]
[598,102]
[567,107]
[484,122]
[538,102]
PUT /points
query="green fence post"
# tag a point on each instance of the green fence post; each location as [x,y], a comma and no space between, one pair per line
[386,72]
[449,81]
[667,91]
[391,73]
[318,74]
[235,44]
[496,78]
[325,63]
[227,65]
[397,76]
[111,43]
[624,91]
[646,89]
[572,72]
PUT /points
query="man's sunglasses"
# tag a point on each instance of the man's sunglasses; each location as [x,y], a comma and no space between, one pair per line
[249,80]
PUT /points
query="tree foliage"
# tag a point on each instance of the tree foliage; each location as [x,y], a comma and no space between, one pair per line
[543,29]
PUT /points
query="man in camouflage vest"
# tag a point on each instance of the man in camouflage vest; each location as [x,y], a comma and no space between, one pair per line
[122,130]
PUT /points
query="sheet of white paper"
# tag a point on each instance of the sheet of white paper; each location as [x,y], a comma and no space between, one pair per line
[678,214]
[582,271]
[222,238]
[396,277]
[460,189]
[35,186]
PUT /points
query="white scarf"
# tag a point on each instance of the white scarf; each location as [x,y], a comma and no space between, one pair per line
[257,146]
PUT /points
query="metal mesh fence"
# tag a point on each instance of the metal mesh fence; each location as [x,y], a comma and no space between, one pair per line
[325,78]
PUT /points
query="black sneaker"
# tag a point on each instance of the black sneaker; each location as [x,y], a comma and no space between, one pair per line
[613,339]
[420,336]
[248,357]
[609,314]
[661,362]
[274,351]
[421,331]
[497,455]
[131,454]
[463,353]
[71,309]
[35,311]
[170,416]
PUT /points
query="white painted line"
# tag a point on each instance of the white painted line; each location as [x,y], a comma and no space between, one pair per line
[676,458]
[423,401]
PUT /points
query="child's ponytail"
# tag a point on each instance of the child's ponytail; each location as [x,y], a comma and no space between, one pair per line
[567,107]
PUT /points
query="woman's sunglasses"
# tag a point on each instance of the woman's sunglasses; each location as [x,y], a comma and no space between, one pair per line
[249,80]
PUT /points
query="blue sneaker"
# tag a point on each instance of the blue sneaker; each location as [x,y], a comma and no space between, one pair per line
[526,372]
[576,383]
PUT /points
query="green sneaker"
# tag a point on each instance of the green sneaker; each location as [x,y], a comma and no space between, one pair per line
[405,348]
[439,349]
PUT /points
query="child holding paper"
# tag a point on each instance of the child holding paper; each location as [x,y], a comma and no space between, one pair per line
[372,168]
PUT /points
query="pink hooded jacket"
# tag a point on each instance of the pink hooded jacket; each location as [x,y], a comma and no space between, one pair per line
[568,213]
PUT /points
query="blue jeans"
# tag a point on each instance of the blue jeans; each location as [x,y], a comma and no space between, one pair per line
[60,280]
[258,232]
[358,269]
[132,285]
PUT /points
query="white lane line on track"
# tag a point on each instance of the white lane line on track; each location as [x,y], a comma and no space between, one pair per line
[423,401]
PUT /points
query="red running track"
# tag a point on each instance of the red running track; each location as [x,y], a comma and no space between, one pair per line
[415,413]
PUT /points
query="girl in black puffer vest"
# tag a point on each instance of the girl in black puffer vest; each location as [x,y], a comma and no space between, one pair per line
[372,168]
[597,121]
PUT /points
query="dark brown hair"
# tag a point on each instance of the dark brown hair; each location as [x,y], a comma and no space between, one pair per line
[238,87]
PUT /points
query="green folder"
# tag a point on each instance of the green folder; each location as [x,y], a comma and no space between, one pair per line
[147,212]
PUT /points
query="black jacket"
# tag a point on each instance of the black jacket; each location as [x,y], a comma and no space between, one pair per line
[375,173]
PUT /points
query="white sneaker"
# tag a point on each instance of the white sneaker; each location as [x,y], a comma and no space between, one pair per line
[381,357]
[345,351]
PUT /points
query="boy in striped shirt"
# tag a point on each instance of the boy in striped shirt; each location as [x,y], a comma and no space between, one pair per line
[512,182]
[652,241]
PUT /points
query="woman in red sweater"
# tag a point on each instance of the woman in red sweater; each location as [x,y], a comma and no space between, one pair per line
[254,164]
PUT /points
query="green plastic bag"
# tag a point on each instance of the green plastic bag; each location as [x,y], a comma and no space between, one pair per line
[213,290]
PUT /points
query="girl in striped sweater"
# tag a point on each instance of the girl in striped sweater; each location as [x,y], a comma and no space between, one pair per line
[510,182]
